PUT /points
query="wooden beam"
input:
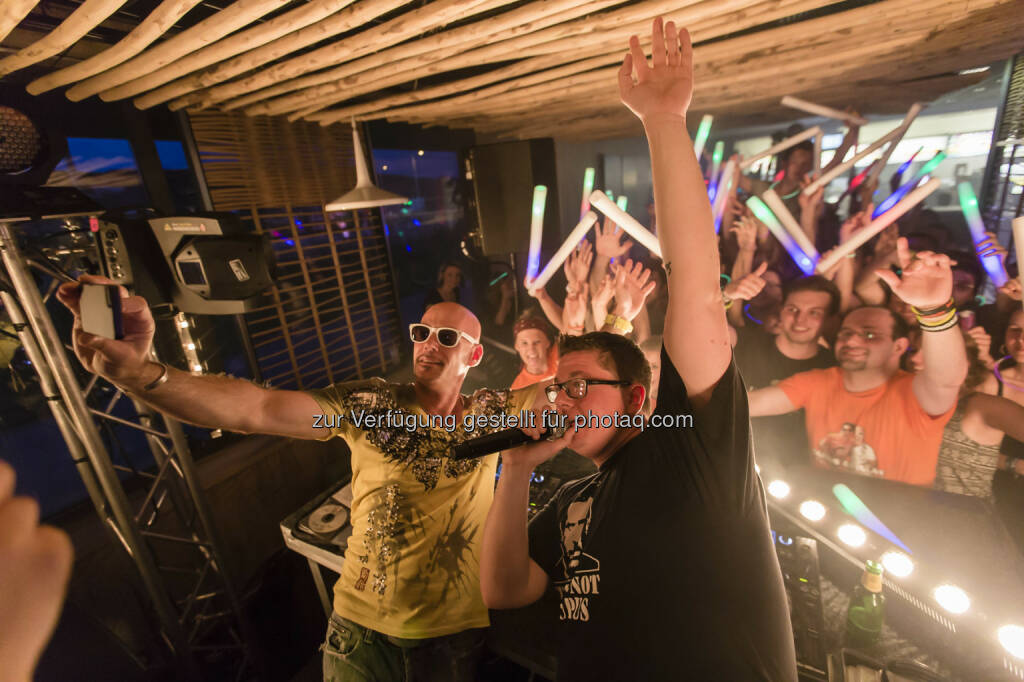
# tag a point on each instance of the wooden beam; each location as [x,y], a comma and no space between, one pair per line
[253,37]
[88,15]
[154,26]
[389,33]
[207,31]
[11,14]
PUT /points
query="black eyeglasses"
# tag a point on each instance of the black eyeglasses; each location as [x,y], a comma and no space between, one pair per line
[577,388]
[446,336]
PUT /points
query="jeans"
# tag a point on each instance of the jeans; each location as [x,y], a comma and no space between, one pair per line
[353,653]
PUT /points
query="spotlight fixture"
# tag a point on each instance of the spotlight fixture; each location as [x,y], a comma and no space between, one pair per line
[812,510]
[778,489]
[365,194]
[898,564]
[852,535]
[1012,639]
[952,598]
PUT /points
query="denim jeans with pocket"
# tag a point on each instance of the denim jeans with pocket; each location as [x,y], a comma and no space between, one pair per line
[353,653]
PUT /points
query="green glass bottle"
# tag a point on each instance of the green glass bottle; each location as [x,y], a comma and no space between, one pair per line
[867,608]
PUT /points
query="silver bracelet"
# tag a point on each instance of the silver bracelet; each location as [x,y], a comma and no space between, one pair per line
[162,379]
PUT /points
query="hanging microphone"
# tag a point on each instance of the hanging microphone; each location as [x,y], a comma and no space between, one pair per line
[500,440]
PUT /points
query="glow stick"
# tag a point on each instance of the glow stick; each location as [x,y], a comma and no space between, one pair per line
[817,153]
[1018,241]
[878,224]
[820,110]
[789,223]
[969,205]
[765,215]
[915,109]
[540,197]
[906,164]
[574,238]
[588,187]
[857,180]
[847,165]
[702,135]
[716,165]
[782,146]
[893,198]
[722,198]
[626,222]
[608,193]
[856,508]
[621,202]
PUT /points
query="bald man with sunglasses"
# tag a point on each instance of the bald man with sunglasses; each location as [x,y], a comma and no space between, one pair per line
[407,605]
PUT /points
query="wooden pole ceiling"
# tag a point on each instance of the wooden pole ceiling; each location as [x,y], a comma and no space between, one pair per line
[516,68]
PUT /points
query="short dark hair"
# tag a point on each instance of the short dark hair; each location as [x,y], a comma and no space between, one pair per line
[813,283]
[900,328]
[615,352]
[968,262]
[806,145]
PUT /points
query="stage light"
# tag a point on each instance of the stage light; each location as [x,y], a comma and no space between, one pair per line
[852,535]
[1012,639]
[384,167]
[183,324]
[898,564]
[190,346]
[419,153]
[952,598]
[812,510]
[778,489]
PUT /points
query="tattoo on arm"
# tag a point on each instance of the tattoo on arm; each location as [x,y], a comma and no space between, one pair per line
[668,268]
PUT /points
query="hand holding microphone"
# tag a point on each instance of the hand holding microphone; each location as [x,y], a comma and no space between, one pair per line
[532,443]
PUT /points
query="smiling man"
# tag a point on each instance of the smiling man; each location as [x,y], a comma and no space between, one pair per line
[407,605]
[663,560]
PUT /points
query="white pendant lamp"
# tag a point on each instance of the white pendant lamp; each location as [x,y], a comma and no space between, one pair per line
[365,194]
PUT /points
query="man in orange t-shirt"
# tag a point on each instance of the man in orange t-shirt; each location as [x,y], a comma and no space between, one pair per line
[866,415]
[534,341]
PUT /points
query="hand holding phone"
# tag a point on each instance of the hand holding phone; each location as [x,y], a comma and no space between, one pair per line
[100,307]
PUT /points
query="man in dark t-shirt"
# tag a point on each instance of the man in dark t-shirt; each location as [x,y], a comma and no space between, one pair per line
[663,560]
[764,360]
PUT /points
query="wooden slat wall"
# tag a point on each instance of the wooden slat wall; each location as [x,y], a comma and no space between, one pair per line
[332,315]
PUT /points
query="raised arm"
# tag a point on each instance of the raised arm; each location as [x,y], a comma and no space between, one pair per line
[927,285]
[768,402]
[208,401]
[696,332]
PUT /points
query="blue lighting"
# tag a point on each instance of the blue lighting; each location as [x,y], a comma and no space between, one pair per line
[408,248]
[415,222]
[289,242]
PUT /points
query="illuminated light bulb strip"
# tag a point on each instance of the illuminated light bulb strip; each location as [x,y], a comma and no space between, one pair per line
[781,146]
[540,197]
[858,510]
[812,510]
[906,187]
[588,187]
[626,222]
[852,535]
[969,205]
[952,598]
[188,346]
[701,138]
[877,225]
[722,197]
[574,238]
[789,223]
[764,214]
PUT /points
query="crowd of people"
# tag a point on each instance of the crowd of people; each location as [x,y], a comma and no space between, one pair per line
[871,368]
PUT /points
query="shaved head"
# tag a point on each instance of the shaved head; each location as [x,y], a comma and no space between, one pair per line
[440,367]
[452,315]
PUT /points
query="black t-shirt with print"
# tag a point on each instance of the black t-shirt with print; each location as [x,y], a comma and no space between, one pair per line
[782,438]
[664,560]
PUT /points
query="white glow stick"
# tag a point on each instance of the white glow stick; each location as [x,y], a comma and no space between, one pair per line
[789,223]
[817,153]
[588,187]
[577,234]
[878,224]
[540,196]
[724,190]
[912,113]
[820,110]
[1018,242]
[626,222]
[782,146]
[765,215]
[847,165]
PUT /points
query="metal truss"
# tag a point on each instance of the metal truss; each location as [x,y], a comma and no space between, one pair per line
[168,533]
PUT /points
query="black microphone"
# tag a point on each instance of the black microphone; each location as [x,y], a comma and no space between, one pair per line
[498,441]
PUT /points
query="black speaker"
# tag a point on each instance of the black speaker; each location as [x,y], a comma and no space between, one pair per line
[504,175]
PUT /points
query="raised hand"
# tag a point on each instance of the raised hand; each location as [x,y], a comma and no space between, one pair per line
[119,360]
[611,244]
[1012,289]
[856,223]
[666,88]
[601,298]
[810,204]
[632,287]
[748,286]
[983,340]
[927,279]
[990,246]
[577,267]
[574,312]
[745,230]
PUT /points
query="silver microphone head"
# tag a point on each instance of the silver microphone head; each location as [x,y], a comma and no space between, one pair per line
[555,431]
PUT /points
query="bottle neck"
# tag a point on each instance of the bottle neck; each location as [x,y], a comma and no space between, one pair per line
[872,582]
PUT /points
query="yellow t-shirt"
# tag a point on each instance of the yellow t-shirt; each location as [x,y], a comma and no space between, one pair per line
[412,564]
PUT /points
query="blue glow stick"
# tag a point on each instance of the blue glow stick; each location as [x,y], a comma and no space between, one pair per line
[765,215]
[908,186]
[540,197]
[856,508]
[969,205]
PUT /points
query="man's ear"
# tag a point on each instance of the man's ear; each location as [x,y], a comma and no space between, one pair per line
[901,345]
[476,355]
[637,394]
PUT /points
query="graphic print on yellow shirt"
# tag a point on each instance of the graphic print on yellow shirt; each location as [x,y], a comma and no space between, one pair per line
[412,563]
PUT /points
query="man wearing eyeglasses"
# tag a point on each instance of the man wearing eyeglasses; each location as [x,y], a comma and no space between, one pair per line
[407,605]
[899,416]
[662,562]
